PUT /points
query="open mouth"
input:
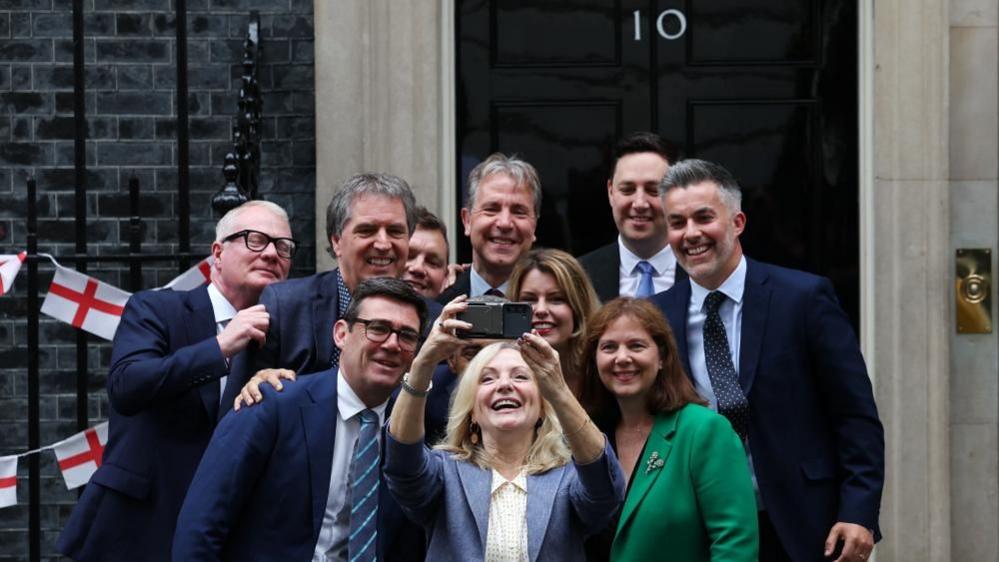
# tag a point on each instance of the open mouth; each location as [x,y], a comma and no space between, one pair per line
[379,261]
[505,404]
[501,241]
[698,250]
[626,376]
[543,328]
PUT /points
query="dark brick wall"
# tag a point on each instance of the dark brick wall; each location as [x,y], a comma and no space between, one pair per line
[131,130]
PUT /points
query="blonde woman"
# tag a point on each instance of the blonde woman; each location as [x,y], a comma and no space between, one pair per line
[506,484]
[562,298]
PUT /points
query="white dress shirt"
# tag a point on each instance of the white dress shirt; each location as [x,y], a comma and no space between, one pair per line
[506,539]
[335,530]
[478,286]
[730,311]
[630,276]
[224,312]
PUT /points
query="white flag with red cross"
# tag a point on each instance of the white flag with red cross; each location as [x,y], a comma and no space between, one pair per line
[80,455]
[8,481]
[10,264]
[85,302]
[194,277]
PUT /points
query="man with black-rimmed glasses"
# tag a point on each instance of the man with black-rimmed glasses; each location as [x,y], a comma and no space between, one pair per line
[298,475]
[170,362]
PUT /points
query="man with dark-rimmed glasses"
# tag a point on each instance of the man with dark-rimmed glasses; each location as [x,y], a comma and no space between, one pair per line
[297,476]
[170,362]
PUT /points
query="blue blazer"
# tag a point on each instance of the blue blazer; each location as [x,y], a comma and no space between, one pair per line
[164,396]
[451,499]
[300,333]
[814,434]
[260,491]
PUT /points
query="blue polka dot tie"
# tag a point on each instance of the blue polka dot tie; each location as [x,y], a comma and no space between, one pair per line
[732,402]
[645,287]
[364,473]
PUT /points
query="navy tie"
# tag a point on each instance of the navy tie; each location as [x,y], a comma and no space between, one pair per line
[732,402]
[645,287]
[364,473]
[495,293]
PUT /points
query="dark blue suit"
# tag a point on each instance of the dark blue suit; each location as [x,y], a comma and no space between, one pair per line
[164,394]
[816,441]
[300,334]
[260,492]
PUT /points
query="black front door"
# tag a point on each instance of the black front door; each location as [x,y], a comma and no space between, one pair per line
[767,88]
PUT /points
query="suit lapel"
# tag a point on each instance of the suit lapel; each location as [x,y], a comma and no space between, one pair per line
[607,273]
[541,490]
[676,302]
[201,327]
[319,424]
[325,311]
[476,483]
[642,478]
[756,301]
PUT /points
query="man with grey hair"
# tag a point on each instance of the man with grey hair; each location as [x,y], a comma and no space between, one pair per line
[169,364]
[500,217]
[369,222]
[771,349]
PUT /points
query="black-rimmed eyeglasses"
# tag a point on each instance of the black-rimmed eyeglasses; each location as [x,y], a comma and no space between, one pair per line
[379,330]
[257,241]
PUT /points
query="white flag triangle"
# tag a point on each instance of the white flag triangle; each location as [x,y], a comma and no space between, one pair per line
[10,264]
[80,455]
[85,302]
[8,481]
[194,277]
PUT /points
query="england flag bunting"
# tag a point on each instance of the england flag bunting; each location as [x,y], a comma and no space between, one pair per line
[8,481]
[85,302]
[80,455]
[193,278]
[10,264]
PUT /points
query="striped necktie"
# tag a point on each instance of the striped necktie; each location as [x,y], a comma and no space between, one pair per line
[364,473]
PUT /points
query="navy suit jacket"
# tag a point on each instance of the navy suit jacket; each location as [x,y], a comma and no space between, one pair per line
[300,333]
[603,267]
[164,396]
[462,286]
[260,491]
[816,441]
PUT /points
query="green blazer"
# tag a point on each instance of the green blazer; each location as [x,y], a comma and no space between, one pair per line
[698,503]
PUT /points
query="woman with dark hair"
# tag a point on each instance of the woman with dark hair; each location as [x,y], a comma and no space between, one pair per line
[690,496]
[562,298]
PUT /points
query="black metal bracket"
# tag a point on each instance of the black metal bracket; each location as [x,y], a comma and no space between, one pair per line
[241,168]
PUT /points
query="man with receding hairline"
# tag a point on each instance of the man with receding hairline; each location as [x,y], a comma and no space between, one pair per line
[170,362]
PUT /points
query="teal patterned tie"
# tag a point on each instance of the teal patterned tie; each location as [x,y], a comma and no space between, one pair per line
[364,477]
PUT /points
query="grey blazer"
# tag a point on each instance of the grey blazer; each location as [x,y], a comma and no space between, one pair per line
[451,498]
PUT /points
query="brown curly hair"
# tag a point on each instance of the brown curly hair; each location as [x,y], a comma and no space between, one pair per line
[671,390]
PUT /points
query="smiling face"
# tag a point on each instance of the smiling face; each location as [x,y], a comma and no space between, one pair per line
[426,267]
[374,241]
[374,369]
[240,273]
[633,194]
[704,232]
[507,398]
[501,225]
[552,316]
[628,359]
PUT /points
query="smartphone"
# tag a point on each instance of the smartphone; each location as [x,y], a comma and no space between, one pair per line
[496,320]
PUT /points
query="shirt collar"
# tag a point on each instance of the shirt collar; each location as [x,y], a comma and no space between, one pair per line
[349,404]
[223,310]
[663,261]
[498,481]
[733,287]
[479,286]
